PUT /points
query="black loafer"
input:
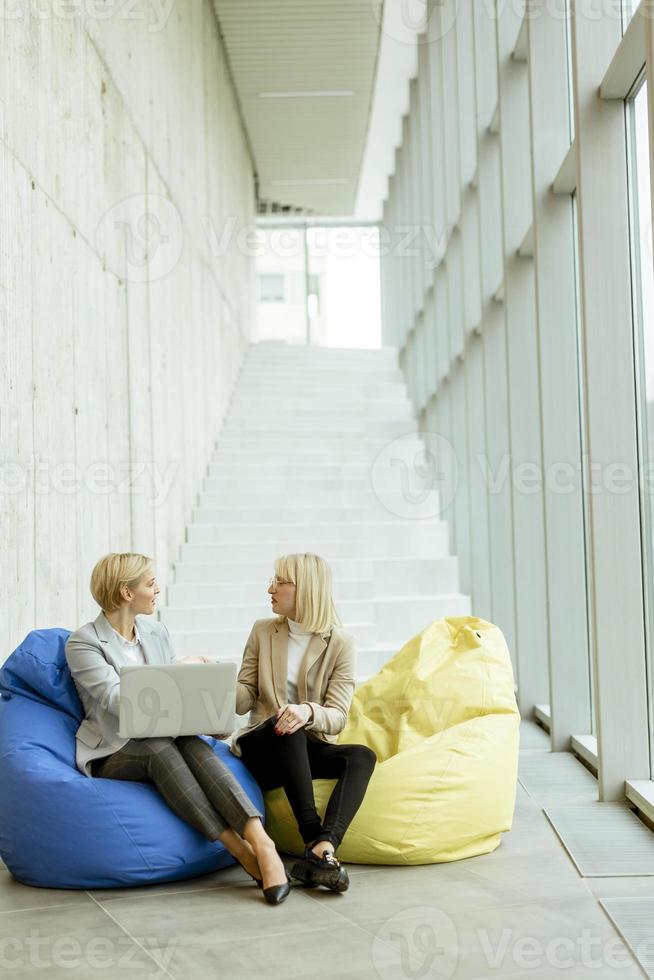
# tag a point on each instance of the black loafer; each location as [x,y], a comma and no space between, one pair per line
[277,893]
[327,870]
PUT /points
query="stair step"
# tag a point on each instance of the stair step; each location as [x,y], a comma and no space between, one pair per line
[303,494]
[242,615]
[311,407]
[386,536]
[308,511]
[305,515]
[221,494]
[319,448]
[229,644]
[388,577]
[333,376]
[400,617]
[356,470]
[276,387]
[328,548]
[270,456]
[286,424]
[288,351]
[357,480]
[289,360]
[394,577]
[316,441]
[239,593]
[257,570]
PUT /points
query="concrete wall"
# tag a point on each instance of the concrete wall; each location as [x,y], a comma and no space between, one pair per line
[125,305]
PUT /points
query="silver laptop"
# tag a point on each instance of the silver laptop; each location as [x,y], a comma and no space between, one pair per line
[177,699]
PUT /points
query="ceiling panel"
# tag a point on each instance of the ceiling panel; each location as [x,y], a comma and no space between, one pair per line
[308,149]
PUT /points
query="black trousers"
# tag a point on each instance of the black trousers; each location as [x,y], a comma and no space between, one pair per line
[292,761]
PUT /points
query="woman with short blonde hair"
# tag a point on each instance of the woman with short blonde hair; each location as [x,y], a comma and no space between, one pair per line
[113,573]
[296,679]
[197,785]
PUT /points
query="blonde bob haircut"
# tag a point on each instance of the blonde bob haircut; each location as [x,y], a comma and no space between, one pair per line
[312,577]
[112,573]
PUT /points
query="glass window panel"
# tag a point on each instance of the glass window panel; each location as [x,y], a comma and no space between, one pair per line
[584,467]
[642,276]
[627,11]
[568,49]
[271,288]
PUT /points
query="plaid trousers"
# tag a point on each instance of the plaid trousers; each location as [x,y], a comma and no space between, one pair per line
[196,784]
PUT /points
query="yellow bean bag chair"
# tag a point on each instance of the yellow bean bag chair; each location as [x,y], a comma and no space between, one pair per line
[442,719]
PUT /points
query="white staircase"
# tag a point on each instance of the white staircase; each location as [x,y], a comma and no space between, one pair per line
[314,455]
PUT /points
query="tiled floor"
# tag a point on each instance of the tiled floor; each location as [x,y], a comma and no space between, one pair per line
[521,912]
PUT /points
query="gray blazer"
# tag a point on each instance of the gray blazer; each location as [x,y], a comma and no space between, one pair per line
[95,656]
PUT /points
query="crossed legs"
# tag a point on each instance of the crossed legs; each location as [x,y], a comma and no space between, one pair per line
[198,786]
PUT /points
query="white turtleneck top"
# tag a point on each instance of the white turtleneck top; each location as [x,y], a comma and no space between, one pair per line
[298,641]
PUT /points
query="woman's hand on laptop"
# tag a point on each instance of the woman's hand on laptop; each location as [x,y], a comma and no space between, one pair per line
[195,660]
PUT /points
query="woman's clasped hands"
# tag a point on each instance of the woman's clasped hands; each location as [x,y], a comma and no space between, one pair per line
[291,717]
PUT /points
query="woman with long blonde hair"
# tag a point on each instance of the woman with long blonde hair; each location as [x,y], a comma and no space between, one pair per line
[296,679]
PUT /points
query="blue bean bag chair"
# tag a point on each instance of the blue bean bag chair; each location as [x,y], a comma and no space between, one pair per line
[61,829]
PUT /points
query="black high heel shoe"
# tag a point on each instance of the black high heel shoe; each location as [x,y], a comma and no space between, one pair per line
[258,880]
[277,893]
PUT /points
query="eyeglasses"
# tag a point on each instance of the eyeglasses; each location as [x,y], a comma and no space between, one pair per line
[274,582]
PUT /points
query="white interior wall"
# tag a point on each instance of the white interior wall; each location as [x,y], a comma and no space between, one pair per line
[114,374]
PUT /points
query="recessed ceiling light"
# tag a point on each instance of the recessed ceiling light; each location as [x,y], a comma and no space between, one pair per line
[293,181]
[304,95]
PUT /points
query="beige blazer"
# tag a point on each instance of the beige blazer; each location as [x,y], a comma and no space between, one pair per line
[326,679]
[95,657]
